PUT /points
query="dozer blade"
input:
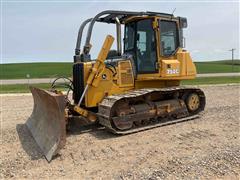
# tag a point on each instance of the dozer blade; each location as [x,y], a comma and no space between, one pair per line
[47,123]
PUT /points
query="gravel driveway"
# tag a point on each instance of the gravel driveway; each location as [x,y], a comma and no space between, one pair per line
[207,147]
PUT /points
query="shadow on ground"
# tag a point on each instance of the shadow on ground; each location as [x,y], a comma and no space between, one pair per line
[28,143]
[77,128]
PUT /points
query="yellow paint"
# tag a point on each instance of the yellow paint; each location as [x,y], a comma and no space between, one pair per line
[85,113]
[106,87]
[81,111]
[103,82]
[125,74]
[99,67]
[111,84]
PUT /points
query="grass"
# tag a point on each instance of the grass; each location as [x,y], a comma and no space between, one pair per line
[212,80]
[50,70]
[23,88]
[35,70]
[224,66]
[229,62]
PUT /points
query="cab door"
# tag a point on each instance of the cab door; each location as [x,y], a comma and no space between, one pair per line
[146,54]
[169,44]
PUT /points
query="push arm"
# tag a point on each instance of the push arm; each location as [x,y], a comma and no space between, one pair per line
[96,72]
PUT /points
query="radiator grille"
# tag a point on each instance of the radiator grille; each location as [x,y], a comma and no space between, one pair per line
[126,79]
[126,74]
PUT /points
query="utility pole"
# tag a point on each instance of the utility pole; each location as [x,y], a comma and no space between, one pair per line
[232,56]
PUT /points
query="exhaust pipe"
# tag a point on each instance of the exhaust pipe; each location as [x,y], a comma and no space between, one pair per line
[119,41]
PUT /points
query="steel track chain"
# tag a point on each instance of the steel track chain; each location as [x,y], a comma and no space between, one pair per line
[105,107]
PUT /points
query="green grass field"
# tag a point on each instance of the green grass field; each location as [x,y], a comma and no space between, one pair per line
[24,88]
[224,66]
[51,70]
[35,70]
[212,80]
[21,88]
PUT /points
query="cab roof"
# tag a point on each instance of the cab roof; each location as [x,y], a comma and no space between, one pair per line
[124,15]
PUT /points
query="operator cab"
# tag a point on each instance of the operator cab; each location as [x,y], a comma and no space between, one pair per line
[150,38]
[141,41]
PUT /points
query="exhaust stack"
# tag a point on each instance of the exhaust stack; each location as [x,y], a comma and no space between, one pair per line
[119,41]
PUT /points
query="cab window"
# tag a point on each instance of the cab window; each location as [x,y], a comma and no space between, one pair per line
[168,37]
[129,36]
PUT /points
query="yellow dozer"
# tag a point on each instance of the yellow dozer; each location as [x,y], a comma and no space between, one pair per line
[127,90]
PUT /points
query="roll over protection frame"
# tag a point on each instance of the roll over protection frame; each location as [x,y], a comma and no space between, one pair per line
[109,18]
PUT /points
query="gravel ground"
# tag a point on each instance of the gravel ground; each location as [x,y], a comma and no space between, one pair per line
[207,147]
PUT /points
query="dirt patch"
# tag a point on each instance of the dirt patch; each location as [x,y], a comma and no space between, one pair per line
[207,147]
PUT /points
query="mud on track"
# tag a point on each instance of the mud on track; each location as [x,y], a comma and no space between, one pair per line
[207,147]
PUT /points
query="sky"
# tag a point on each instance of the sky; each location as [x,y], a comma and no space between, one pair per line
[46,31]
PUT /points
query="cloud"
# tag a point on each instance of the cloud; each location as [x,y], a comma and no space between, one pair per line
[195,51]
[220,50]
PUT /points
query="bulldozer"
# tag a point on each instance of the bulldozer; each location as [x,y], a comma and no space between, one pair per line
[133,88]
